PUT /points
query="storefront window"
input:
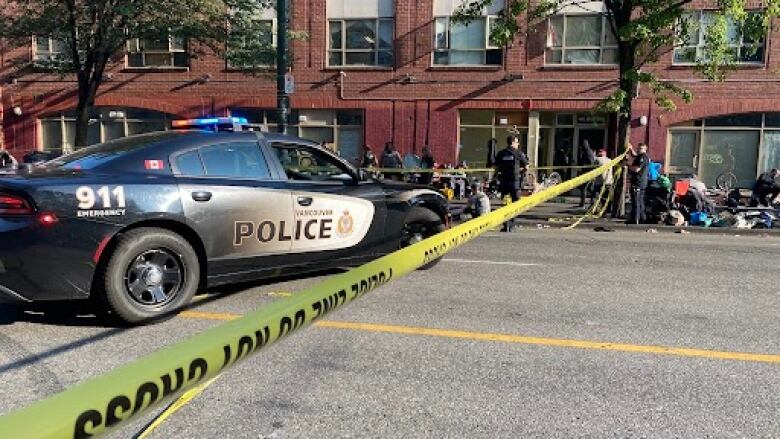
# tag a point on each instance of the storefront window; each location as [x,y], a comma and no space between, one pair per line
[477,127]
[720,150]
[740,144]
[771,155]
[340,130]
[58,131]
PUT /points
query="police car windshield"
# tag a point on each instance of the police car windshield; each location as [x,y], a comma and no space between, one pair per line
[94,156]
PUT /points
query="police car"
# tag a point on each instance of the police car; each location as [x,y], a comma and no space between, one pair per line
[142,223]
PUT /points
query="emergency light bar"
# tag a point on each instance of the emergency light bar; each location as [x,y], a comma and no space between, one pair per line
[209,122]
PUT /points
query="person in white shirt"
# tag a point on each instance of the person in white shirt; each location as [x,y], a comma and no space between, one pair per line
[604,179]
[479,202]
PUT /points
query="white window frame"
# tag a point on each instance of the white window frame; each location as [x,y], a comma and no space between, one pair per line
[63,118]
[699,47]
[274,31]
[50,54]
[135,46]
[376,50]
[602,47]
[489,20]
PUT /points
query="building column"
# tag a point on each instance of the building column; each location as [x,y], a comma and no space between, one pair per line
[533,138]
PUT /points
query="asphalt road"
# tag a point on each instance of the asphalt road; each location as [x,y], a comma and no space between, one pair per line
[586,317]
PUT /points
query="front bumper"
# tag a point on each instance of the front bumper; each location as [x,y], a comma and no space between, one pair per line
[42,263]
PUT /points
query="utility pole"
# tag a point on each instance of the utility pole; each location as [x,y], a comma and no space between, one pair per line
[282,99]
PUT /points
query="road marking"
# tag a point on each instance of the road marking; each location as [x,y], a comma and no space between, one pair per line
[203,315]
[279,294]
[520,339]
[479,261]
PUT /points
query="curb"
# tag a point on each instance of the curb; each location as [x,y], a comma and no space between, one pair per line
[646,227]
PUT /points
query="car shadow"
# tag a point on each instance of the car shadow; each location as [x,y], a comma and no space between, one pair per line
[64,314]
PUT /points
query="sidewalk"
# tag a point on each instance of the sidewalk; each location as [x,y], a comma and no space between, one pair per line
[564,211]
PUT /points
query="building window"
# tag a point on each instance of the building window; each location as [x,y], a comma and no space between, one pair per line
[744,50]
[252,41]
[366,42]
[58,131]
[465,44]
[165,53]
[477,127]
[339,130]
[740,144]
[580,39]
[48,49]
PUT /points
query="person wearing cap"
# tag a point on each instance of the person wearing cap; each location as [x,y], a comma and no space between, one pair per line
[510,166]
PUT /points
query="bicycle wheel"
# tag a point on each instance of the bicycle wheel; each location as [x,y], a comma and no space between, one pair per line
[726,181]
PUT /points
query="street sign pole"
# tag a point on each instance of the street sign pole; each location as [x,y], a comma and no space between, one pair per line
[282,98]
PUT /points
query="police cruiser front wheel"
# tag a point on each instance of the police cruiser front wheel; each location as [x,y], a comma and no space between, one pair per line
[151,273]
[421,223]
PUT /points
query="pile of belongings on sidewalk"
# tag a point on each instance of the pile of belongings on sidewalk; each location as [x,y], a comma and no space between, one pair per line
[689,203]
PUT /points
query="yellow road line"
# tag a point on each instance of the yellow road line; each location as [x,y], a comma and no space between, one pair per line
[520,339]
[209,315]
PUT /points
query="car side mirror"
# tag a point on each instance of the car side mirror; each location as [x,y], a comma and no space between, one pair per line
[363,175]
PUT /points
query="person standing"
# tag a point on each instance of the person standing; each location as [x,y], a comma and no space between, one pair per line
[391,159]
[639,174]
[427,163]
[587,158]
[604,179]
[492,145]
[510,166]
[369,158]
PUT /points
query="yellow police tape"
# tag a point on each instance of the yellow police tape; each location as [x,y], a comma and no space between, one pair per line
[457,170]
[112,399]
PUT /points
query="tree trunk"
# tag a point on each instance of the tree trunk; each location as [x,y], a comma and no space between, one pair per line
[628,85]
[83,109]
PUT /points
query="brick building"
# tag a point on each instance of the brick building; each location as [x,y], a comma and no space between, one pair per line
[377,70]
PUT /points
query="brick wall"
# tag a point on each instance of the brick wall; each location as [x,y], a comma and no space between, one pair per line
[423,110]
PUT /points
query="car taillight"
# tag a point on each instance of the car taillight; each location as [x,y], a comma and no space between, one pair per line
[14,205]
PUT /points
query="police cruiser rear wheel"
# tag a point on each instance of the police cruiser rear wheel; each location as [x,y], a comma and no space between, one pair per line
[421,223]
[151,273]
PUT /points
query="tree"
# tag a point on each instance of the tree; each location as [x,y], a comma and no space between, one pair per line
[91,32]
[643,30]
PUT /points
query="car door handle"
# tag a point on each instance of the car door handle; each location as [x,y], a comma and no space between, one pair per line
[305,201]
[201,196]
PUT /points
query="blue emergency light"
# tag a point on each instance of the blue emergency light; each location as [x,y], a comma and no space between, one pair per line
[209,122]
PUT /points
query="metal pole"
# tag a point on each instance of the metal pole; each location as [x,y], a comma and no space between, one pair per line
[282,99]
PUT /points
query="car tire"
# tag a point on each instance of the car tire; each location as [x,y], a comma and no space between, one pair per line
[151,273]
[421,223]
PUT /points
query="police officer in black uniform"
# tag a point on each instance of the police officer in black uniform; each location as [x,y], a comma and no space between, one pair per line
[639,175]
[510,164]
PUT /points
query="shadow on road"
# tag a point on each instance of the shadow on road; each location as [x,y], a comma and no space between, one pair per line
[71,314]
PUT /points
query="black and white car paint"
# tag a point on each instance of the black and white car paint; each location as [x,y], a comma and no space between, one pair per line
[144,214]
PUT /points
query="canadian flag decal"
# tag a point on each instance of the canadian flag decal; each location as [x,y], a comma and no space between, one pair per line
[154,164]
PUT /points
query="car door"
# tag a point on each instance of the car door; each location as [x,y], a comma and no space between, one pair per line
[336,216]
[238,209]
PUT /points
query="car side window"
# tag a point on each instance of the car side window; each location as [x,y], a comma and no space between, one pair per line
[189,164]
[304,163]
[234,160]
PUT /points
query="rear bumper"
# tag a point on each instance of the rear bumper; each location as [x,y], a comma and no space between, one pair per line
[40,263]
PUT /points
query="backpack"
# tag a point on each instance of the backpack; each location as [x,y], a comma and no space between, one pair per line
[390,160]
